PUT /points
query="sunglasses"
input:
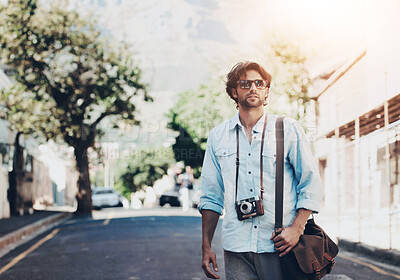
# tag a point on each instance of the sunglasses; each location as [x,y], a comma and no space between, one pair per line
[246,84]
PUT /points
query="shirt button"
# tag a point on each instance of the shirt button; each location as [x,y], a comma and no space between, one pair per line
[249,154]
[255,226]
[251,190]
[249,172]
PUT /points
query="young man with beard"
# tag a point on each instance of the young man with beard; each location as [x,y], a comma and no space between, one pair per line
[251,248]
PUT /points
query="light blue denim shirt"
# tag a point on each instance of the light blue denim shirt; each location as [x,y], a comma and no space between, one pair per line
[302,183]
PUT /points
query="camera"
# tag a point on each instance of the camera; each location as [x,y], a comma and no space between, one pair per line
[249,207]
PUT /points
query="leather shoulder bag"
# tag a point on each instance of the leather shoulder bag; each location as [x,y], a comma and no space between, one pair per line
[313,256]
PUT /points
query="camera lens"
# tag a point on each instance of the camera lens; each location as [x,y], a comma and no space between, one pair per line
[246,207]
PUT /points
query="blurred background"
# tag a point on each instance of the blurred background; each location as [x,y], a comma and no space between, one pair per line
[122,95]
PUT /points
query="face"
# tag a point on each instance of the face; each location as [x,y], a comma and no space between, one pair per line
[252,97]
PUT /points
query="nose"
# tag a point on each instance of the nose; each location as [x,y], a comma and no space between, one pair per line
[253,86]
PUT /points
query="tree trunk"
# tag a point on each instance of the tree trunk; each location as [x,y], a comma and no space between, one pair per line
[84,195]
[18,165]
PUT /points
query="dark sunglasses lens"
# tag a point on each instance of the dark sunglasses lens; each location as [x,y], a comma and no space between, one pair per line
[245,84]
[260,83]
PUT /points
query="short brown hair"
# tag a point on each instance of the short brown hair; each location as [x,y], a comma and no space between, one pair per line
[239,70]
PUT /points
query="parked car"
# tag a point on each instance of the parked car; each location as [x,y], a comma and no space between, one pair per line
[173,197]
[105,197]
[170,198]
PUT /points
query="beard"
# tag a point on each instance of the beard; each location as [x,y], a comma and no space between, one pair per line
[251,100]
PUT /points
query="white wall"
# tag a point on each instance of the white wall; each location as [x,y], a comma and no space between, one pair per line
[357,173]
[4,138]
[4,205]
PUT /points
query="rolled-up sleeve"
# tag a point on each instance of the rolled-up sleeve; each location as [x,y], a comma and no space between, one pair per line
[211,180]
[309,183]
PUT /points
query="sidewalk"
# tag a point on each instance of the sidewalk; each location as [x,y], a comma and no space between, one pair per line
[14,231]
[388,256]
[370,240]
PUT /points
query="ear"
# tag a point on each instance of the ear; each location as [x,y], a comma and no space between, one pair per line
[266,93]
[234,93]
[266,97]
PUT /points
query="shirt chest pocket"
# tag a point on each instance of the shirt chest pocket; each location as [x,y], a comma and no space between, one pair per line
[269,162]
[227,159]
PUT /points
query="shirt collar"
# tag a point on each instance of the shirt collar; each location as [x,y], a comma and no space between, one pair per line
[235,121]
[258,126]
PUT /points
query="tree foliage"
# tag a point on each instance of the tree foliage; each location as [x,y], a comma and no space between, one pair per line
[69,78]
[143,168]
[193,116]
[197,112]
[287,62]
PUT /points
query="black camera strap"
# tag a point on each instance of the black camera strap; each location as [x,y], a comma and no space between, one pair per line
[261,159]
[279,178]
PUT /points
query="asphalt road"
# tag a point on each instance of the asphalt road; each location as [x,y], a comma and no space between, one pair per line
[139,244]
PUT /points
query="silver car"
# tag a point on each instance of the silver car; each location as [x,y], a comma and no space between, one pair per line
[105,197]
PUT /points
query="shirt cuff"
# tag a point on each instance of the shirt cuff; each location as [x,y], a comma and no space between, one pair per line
[308,204]
[210,206]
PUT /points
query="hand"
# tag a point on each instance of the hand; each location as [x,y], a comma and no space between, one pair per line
[285,239]
[209,257]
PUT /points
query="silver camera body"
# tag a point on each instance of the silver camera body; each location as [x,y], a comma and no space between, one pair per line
[249,207]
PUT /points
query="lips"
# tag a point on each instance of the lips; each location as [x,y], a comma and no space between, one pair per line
[252,96]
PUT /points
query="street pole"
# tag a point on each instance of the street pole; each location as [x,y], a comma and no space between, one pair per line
[387,158]
[338,173]
[106,173]
[357,172]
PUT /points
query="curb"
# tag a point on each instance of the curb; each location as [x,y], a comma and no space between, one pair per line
[19,234]
[387,255]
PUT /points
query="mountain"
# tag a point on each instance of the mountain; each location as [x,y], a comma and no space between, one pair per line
[181,44]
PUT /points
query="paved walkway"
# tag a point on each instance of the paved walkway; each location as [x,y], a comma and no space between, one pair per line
[15,223]
[368,236]
[14,231]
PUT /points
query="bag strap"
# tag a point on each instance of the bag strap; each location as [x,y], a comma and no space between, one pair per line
[261,159]
[279,178]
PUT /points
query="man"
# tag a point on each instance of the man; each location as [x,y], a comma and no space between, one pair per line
[187,180]
[251,248]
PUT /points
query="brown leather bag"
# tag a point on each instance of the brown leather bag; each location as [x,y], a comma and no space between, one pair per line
[313,256]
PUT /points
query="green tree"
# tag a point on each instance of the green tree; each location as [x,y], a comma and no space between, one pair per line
[287,60]
[143,168]
[197,112]
[193,116]
[69,74]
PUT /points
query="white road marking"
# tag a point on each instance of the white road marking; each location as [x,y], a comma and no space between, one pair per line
[110,216]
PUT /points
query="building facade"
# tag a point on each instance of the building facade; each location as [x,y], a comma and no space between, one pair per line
[47,175]
[358,134]
[5,151]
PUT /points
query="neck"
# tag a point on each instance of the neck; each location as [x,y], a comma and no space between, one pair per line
[249,118]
